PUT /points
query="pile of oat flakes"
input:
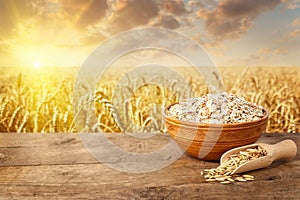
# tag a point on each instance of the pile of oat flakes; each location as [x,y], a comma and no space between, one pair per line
[219,108]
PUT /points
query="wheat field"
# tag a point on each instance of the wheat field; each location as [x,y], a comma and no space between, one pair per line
[42,101]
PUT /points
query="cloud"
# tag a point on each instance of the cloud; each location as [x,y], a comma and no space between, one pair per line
[83,12]
[295,23]
[94,13]
[195,3]
[232,18]
[79,13]
[237,8]
[293,34]
[12,11]
[7,21]
[132,13]
[207,42]
[48,26]
[4,46]
[92,39]
[176,7]
[210,4]
[292,4]
[120,4]
[265,56]
[71,6]
[166,21]
[275,51]
[264,50]
[127,14]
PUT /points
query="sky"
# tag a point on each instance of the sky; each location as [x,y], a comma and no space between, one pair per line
[233,32]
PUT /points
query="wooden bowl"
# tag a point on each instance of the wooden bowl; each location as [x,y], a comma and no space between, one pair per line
[210,141]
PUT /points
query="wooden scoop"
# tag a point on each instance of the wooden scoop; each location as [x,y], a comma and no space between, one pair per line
[283,150]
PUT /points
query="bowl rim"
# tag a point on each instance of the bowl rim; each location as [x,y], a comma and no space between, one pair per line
[198,124]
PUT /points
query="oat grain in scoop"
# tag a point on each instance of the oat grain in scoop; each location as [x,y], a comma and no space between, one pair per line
[219,108]
[224,172]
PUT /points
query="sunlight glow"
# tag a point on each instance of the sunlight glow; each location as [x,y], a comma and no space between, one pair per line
[37,65]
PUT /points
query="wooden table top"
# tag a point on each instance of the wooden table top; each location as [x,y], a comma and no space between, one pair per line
[51,166]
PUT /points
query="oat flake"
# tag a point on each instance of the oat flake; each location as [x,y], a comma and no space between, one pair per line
[219,108]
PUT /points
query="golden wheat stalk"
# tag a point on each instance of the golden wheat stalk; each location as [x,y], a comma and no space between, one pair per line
[13,119]
[103,105]
[48,101]
[3,109]
[23,123]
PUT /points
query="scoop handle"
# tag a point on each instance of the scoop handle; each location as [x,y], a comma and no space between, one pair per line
[284,150]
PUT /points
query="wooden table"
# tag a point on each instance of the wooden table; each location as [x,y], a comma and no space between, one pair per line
[51,166]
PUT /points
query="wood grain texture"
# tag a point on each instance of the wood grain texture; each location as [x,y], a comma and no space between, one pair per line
[57,166]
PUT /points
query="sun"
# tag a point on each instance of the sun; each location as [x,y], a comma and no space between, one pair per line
[37,65]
